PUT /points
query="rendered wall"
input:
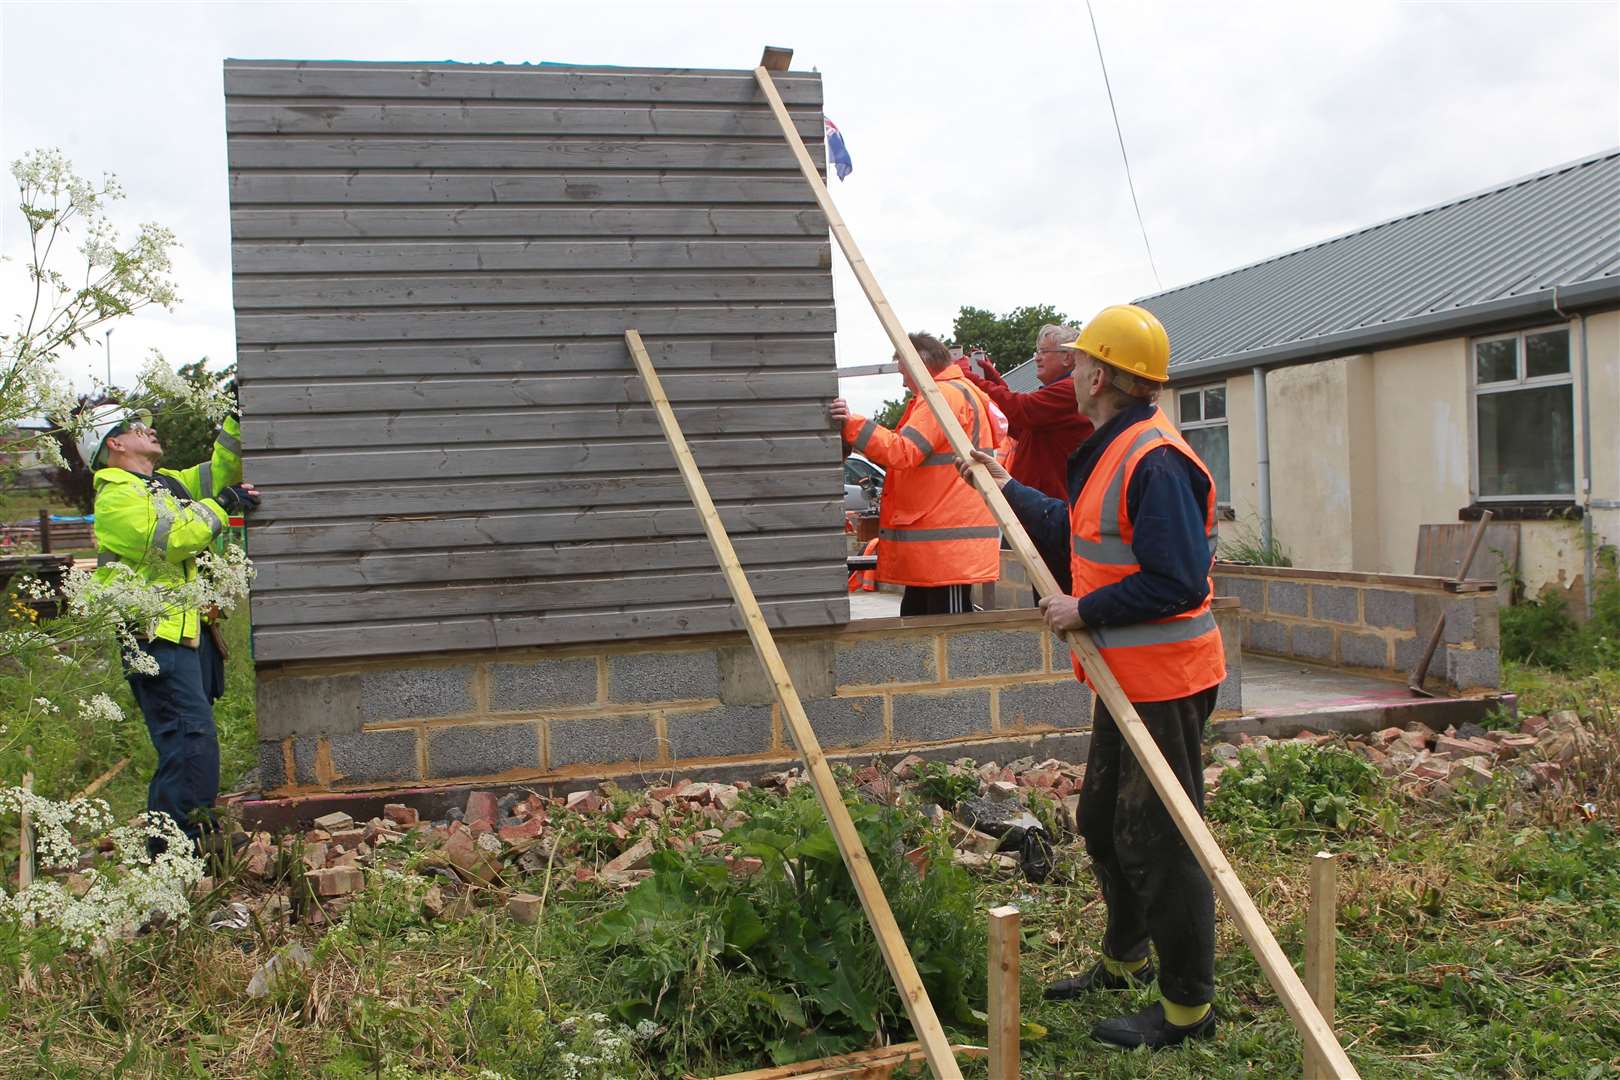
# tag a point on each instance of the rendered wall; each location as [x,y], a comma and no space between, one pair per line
[433,267]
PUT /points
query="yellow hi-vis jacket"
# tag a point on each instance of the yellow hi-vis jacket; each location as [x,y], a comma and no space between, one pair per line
[141,521]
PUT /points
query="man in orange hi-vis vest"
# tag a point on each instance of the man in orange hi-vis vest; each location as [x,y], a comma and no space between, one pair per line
[936,536]
[1138,536]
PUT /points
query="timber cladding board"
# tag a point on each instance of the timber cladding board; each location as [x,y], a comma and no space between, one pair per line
[433,268]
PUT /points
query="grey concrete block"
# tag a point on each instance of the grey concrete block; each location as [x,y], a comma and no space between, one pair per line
[304,760]
[1458,613]
[272,766]
[663,676]
[1487,622]
[728,731]
[1364,650]
[1230,694]
[1266,636]
[307,705]
[1473,669]
[1312,643]
[845,721]
[601,740]
[1062,704]
[743,680]
[876,661]
[983,653]
[416,692]
[479,750]
[1407,651]
[1285,598]
[542,684]
[1250,592]
[1336,603]
[941,715]
[375,755]
[1388,607]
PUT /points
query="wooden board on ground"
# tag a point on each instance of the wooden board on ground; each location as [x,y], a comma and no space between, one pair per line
[1440,550]
[913,995]
[1189,822]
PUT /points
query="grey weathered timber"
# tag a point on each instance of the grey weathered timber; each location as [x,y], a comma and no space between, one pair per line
[528,357]
[311,223]
[509,321]
[476,287]
[583,559]
[632,253]
[535,152]
[508,186]
[314,79]
[519,527]
[448,428]
[433,268]
[379,395]
[506,631]
[422,496]
[343,117]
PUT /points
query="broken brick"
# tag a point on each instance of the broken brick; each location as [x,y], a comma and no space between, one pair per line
[314,856]
[482,808]
[529,829]
[584,802]
[745,865]
[401,815]
[1533,725]
[335,880]
[336,821]
[1002,790]
[348,839]
[907,769]
[636,857]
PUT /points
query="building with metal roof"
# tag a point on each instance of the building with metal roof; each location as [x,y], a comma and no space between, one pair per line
[1362,395]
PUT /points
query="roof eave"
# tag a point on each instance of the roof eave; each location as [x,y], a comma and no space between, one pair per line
[1582,296]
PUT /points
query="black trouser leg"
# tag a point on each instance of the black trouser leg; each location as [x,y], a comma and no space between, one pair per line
[936,600]
[1151,883]
[180,720]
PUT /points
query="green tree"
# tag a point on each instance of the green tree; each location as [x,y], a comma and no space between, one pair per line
[1009,338]
[889,415]
[187,433]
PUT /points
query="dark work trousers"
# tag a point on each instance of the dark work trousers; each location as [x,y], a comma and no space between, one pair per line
[936,600]
[180,720]
[1153,886]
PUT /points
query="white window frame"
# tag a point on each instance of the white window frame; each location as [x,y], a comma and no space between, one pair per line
[1522,382]
[1222,498]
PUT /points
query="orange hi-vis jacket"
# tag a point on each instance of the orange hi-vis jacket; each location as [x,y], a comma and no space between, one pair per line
[936,530]
[1154,661]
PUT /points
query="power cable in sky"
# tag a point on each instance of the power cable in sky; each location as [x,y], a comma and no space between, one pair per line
[1121,135]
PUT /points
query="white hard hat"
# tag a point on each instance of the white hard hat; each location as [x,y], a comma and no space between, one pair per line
[102,423]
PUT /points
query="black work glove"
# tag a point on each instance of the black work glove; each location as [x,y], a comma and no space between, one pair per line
[238,499]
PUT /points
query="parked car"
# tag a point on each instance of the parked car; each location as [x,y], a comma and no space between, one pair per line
[863,483]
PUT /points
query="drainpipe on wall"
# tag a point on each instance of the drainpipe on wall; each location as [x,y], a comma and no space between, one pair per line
[1589,585]
[1262,443]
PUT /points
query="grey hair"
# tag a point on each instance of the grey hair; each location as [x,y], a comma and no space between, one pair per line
[1124,383]
[1056,333]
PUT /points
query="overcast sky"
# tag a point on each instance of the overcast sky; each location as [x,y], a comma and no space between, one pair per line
[986,167]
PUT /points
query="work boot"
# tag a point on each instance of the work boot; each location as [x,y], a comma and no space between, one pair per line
[1150,1028]
[1099,978]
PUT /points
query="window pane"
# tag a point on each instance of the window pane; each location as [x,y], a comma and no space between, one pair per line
[1215,403]
[1189,407]
[1213,448]
[1546,354]
[1496,361]
[1527,442]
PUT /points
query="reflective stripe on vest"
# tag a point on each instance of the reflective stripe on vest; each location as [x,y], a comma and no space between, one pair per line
[229,442]
[205,479]
[1153,633]
[962,532]
[864,436]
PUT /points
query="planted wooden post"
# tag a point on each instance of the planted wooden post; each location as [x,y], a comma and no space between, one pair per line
[1320,930]
[1003,1004]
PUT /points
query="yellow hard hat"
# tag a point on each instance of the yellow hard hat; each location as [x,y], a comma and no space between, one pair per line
[1127,337]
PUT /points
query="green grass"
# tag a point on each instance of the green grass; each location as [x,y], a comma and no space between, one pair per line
[1476,938]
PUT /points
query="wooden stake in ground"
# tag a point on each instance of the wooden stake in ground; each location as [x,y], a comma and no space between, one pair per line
[1273,961]
[1002,1007]
[25,878]
[1320,930]
[936,1047]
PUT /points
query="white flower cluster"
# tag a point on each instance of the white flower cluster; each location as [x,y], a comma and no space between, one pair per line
[159,380]
[101,710]
[112,899]
[607,1053]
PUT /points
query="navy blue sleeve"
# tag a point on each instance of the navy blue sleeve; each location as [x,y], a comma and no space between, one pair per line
[1166,503]
[1047,521]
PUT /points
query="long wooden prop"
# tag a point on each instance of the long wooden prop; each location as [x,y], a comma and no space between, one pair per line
[1273,961]
[936,1047]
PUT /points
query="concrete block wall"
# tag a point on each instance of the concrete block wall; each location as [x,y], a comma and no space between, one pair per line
[1375,622]
[653,706]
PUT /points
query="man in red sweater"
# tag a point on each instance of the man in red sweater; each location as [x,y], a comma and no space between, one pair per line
[1045,423]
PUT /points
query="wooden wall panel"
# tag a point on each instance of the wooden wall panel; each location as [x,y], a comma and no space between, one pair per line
[433,267]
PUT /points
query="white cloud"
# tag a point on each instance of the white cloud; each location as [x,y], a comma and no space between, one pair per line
[987,171]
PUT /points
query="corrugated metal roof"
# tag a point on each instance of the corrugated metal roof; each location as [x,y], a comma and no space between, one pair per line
[1022,378]
[1486,258]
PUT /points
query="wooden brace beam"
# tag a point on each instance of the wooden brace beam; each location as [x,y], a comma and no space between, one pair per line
[1273,961]
[936,1047]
